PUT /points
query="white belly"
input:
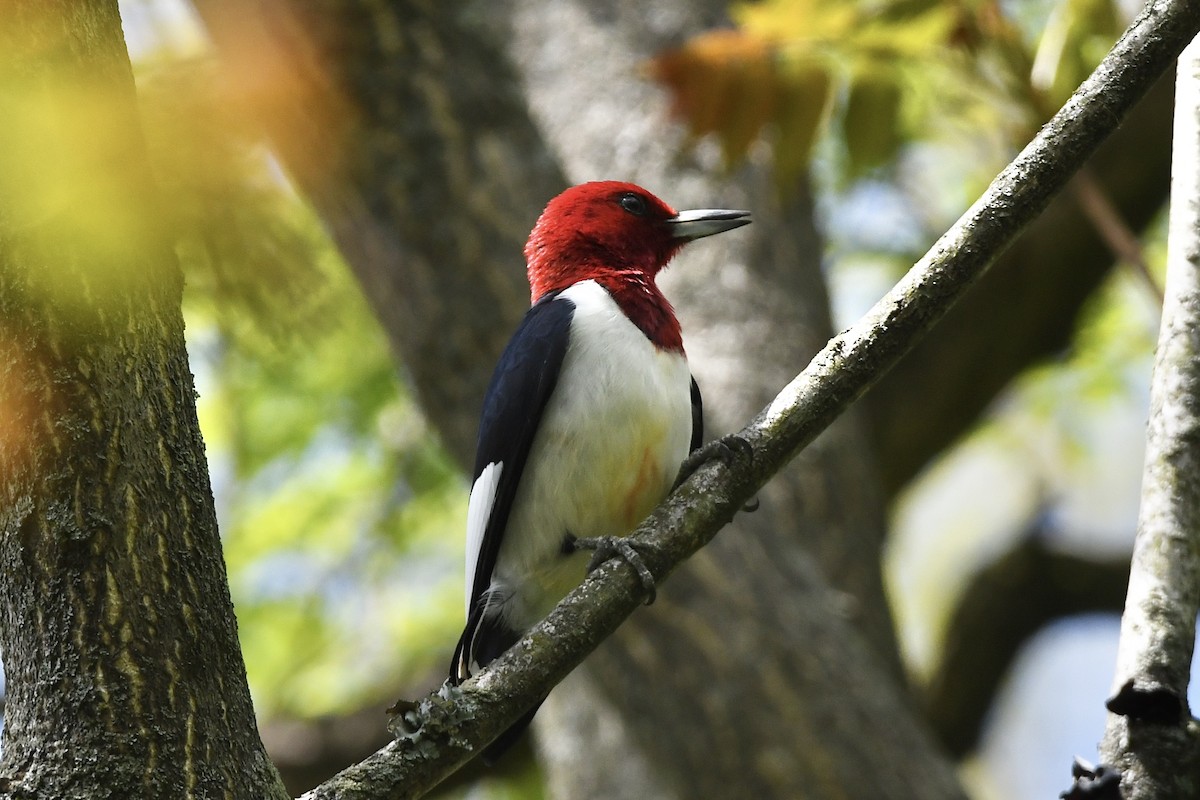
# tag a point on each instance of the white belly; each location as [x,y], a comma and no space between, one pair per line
[606,453]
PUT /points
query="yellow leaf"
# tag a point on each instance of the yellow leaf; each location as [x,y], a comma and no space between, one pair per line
[798,20]
[911,35]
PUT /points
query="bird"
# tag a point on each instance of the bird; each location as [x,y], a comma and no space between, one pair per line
[589,414]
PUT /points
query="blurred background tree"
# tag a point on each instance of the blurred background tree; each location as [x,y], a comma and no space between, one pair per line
[350,184]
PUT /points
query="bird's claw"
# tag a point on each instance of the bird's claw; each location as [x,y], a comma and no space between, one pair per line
[728,449]
[605,547]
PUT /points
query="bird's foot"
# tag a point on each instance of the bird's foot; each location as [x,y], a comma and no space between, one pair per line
[728,449]
[605,547]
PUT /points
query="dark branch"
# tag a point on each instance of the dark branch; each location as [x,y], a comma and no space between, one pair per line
[1027,306]
[1006,603]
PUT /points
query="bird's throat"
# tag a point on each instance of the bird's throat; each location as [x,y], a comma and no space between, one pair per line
[647,308]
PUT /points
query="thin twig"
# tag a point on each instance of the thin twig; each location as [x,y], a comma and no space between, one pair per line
[1107,221]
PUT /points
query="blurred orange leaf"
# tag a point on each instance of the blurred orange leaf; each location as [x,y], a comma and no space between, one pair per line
[782,66]
[710,77]
[732,84]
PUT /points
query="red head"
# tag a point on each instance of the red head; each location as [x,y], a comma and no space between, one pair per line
[615,233]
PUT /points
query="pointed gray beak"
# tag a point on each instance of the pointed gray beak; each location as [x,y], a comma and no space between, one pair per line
[701,222]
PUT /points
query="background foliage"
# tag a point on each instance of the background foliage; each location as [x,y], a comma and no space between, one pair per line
[341,514]
[336,500]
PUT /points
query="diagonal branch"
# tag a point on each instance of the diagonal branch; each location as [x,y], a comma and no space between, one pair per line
[1150,734]
[1116,233]
[448,731]
[1026,308]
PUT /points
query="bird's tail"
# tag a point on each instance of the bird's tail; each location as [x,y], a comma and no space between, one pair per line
[483,639]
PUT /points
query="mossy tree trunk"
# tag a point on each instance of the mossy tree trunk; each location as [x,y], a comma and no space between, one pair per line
[124,675]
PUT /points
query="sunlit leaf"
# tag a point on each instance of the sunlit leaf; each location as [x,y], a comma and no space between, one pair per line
[71,174]
[798,20]
[1076,37]
[899,33]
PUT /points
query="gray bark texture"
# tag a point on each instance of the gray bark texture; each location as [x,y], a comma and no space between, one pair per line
[124,675]
[1151,736]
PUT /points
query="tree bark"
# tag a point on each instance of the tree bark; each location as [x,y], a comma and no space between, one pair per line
[403,125]
[120,647]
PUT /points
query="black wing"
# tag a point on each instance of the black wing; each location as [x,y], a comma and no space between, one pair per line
[521,386]
[697,418]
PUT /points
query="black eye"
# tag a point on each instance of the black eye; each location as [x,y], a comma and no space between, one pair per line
[633,203]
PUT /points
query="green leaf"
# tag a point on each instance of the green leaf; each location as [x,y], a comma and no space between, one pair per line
[805,94]
[871,121]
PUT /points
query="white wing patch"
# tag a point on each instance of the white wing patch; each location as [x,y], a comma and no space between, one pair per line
[479,510]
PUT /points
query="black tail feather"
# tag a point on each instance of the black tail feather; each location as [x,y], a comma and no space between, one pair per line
[485,637]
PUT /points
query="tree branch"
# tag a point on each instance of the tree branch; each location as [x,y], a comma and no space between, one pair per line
[1111,226]
[1006,603]
[447,731]
[1150,734]
[1027,306]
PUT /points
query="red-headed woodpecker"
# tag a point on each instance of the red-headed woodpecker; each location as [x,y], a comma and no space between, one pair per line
[589,414]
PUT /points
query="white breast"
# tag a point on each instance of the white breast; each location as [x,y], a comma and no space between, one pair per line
[607,451]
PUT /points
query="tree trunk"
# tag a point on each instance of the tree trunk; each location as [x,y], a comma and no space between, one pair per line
[750,628]
[119,640]
[1151,735]
[402,124]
